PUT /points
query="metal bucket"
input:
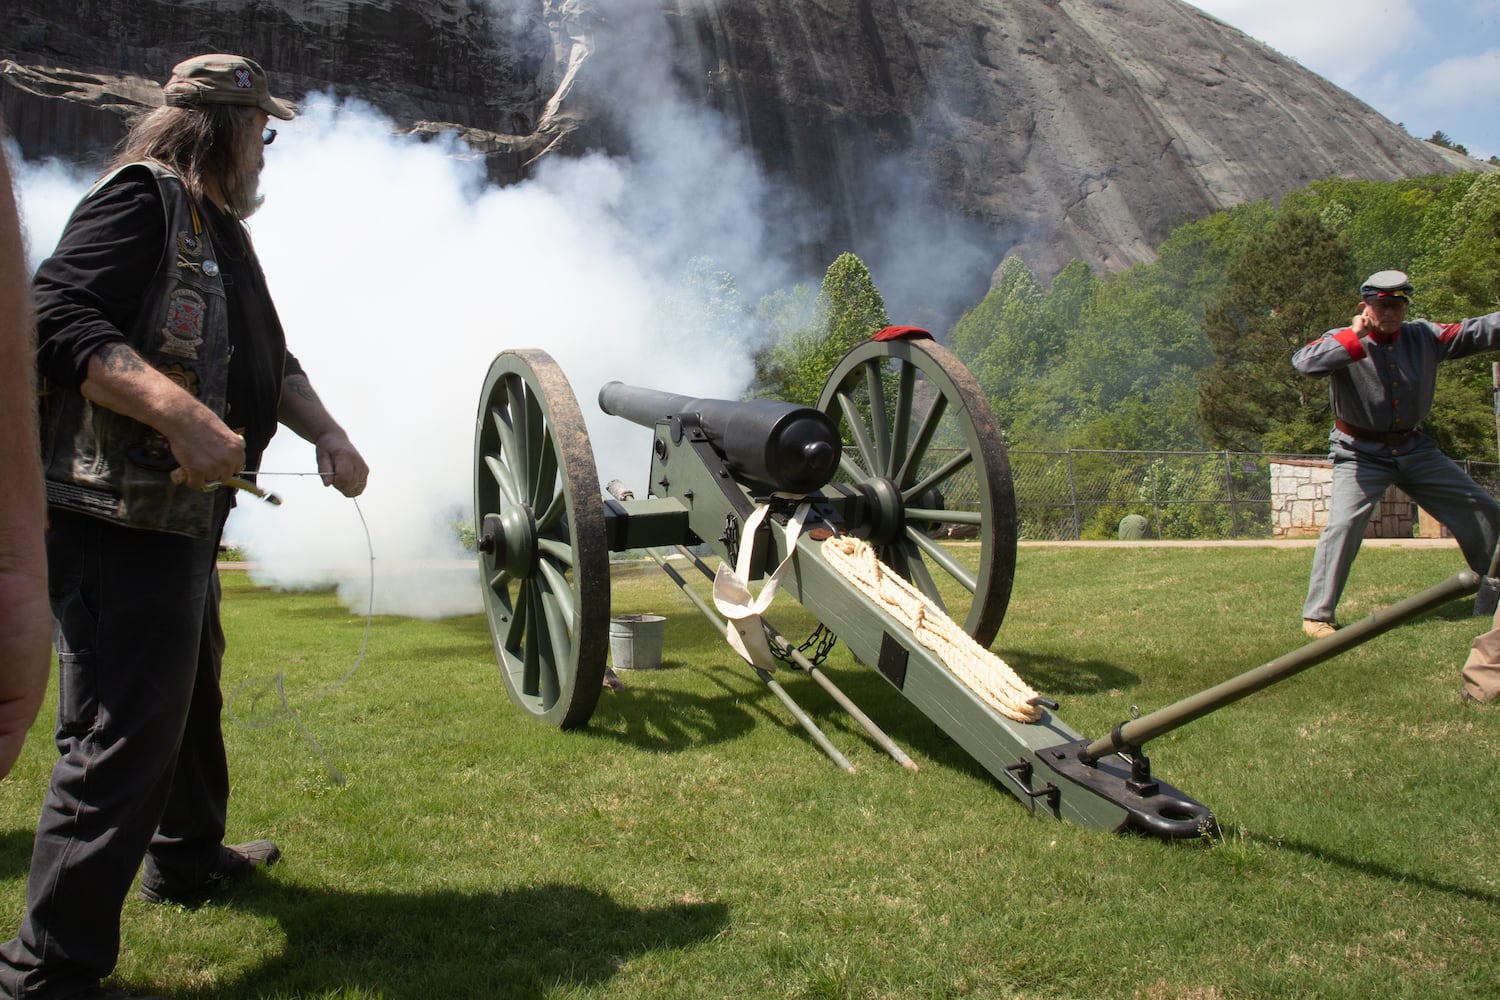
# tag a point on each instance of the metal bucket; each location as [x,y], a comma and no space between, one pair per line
[635,641]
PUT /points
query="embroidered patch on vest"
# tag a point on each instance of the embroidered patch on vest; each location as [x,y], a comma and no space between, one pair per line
[189,251]
[152,452]
[182,330]
[184,376]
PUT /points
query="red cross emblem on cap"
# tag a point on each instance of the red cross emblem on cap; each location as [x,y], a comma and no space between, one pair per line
[242,79]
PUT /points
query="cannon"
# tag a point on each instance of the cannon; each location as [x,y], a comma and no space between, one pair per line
[843,506]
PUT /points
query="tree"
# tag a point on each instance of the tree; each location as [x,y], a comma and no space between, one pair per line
[779,317]
[1007,341]
[1384,225]
[848,311]
[1462,278]
[1467,279]
[1440,138]
[1291,284]
[705,305]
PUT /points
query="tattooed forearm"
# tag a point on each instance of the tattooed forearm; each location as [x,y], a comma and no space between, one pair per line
[120,359]
[302,387]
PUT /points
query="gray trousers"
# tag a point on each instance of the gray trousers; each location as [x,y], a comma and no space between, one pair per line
[1430,478]
[141,771]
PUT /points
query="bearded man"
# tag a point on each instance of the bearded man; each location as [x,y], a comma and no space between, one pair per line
[163,372]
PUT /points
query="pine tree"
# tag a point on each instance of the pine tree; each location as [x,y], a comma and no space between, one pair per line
[1292,283]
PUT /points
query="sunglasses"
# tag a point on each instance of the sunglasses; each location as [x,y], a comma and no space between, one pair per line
[268,136]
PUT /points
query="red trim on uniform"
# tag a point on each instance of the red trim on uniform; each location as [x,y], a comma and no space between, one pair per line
[902,333]
[1351,343]
[1450,330]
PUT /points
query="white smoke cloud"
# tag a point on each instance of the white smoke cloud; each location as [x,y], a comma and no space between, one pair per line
[46,194]
[399,274]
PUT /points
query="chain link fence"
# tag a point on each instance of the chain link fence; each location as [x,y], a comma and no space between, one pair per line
[1072,495]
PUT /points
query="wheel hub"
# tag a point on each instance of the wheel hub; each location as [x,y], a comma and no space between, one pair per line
[509,538]
[887,511]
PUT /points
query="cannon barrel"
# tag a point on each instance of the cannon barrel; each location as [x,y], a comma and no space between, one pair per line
[765,442]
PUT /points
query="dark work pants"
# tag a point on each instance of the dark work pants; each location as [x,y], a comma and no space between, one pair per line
[142,763]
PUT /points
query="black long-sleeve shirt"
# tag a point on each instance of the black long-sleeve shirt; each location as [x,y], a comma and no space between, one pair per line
[88,294]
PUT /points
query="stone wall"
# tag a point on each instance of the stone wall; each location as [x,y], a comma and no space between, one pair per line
[1300,493]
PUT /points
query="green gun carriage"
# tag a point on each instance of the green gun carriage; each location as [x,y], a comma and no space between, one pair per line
[900,451]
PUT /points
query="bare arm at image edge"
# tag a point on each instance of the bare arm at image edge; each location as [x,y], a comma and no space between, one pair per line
[25,618]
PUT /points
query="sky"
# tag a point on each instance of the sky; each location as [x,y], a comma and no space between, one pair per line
[1431,65]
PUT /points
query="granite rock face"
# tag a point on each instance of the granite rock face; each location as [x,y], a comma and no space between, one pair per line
[1052,128]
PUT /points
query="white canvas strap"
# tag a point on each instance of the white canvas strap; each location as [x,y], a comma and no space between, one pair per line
[732,596]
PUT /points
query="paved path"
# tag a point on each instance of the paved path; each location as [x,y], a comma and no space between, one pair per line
[1280,543]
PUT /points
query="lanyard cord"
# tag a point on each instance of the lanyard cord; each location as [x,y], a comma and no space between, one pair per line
[256,722]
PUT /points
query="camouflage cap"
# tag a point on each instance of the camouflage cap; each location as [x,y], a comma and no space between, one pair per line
[218,78]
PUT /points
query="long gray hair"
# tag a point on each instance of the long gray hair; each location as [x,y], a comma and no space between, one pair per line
[197,143]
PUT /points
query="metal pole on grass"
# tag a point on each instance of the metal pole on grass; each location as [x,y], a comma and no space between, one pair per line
[824,681]
[803,719]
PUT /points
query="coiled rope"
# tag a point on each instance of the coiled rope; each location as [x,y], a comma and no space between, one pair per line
[980,670]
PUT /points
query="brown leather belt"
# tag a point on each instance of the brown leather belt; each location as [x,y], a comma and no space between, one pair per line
[1384,437]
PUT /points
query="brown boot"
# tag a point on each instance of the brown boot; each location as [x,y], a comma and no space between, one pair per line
[1317,629]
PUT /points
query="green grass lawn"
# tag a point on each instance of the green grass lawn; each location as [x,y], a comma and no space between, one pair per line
[693,842]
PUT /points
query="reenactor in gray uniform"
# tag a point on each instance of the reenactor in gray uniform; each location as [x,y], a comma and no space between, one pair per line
[1382,370]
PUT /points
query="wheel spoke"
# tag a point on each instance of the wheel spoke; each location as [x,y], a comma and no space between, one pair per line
[522,638]
[520,445]
[921,578]
[905,400]
[553,515]
[929,426]
[499,581]
[860,433]
[558,552]
[501,474]
[543,448]
[558,636]
[505,432]
[561,591]
[944,516]
[942,475]
[879,427]
[943,558]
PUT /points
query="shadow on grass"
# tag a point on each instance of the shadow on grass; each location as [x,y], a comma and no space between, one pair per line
[518,943]
[671,721]
[1059,676]
[15,852]
[1373,870]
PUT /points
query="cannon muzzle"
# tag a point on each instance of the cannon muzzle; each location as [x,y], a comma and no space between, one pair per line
[765,442]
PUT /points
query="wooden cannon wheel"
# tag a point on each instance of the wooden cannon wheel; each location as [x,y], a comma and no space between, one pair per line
[539,523]
[922,443]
